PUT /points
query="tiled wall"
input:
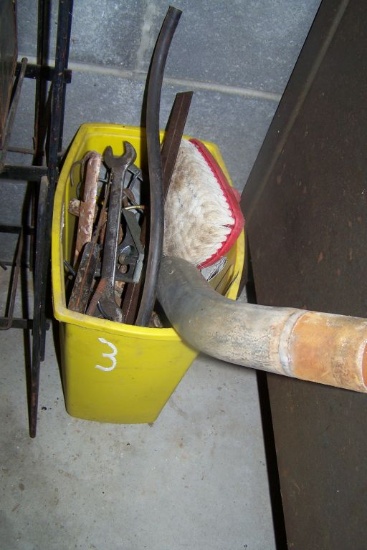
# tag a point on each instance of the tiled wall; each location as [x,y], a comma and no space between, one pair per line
[235,55]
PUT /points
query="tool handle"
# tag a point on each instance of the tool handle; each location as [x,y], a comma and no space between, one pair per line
[319,347]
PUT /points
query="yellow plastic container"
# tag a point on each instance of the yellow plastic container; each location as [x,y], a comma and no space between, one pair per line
[113,372]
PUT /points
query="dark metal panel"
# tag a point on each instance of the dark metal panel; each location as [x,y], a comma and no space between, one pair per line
[306,209]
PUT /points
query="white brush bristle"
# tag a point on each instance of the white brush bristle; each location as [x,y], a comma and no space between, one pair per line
[198,218]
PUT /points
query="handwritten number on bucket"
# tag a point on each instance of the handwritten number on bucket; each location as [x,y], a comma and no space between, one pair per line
[111,356]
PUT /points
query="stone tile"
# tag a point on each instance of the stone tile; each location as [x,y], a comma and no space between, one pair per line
[107,33]
[246,44]
[93,97]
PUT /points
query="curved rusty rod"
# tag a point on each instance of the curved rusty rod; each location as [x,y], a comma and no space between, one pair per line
[319,347]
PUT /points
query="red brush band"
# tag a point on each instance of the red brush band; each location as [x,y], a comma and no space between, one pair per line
[231,196]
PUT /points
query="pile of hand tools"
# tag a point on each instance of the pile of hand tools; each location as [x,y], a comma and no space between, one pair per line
[114,230]
[108,251]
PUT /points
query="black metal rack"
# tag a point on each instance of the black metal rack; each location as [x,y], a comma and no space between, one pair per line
[41,174]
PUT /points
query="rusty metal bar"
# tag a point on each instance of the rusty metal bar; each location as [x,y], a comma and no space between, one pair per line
[91,166]
[156,225]
[7,321]
[42,71]
[173,135]
[23,173]
[12,113]
[46,202]
[319,347]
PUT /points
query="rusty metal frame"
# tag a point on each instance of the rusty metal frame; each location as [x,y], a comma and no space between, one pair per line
[43,173]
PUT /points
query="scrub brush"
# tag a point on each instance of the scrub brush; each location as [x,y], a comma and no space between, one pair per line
[202,216]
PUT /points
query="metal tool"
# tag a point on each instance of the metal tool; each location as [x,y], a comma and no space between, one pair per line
[92,165]
[171,143]
[173,136]
[131,251]
[104,296]
[89,260]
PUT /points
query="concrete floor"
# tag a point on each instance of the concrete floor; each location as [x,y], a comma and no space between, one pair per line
[195,479]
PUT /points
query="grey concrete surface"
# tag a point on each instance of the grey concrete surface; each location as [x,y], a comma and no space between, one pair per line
[194,479]
[197,478]
[251,44]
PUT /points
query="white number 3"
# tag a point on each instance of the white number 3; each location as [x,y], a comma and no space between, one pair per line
[111,356]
